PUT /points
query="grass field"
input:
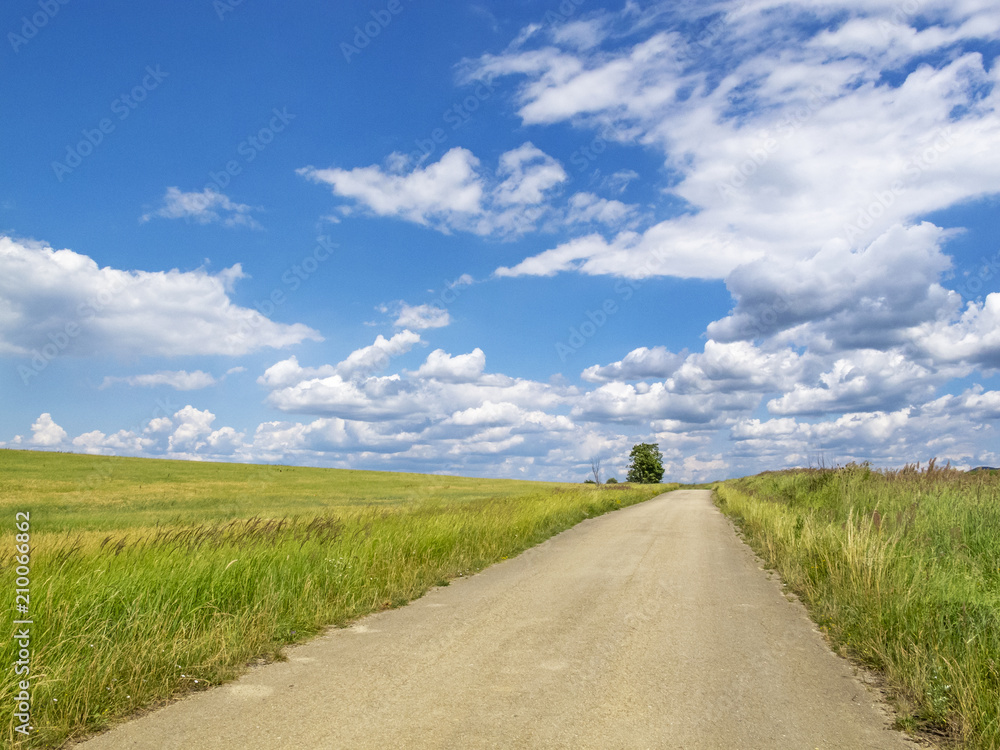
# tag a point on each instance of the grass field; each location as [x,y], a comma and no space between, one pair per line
[902,569]
[150,578]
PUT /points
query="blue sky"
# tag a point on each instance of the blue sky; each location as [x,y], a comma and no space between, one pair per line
[502,238]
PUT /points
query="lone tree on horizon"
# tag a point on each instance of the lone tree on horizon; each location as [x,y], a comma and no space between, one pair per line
[646,465]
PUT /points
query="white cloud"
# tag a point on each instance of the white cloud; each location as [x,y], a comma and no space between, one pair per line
[587,208]
[281,439]
[441,192]
[224,441]
[643,402]
[159,426]
[454,193]
[192,427]
[55,302]
[378,355]
[435,435]
[463,368]
[976,403]
[737,367]
[506,414]
[582,34]
[687,247]
[358,364]
[973,338]
[46,433]
[207,207]
[497,425]
[867,380]
[695,467]
[529,174]
[442,385]
[851,298]
[422,317]
[123,442]
[955,428]
[180,380]
[374,399]
[640,364]
[463,280]
[562,85]
[745,127]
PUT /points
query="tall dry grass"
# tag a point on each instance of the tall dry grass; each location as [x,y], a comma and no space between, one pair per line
[902,569]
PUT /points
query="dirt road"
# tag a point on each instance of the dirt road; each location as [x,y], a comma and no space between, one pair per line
[650,627]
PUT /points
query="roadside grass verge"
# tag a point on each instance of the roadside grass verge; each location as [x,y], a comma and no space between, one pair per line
[141,596]
[902,570]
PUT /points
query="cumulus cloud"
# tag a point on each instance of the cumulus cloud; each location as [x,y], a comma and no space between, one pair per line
[55,302]
[635,404]
[883,437]
[192,426]
[456,192]
[954,427]
[849,298]
[359,363]
[443,192]
[378,355]
[506,414]
[973,338]
[123,442]
[639,364]
[46,433]
[224,441]
[446,393]
[463,368]
[720,368]
[278,440]
[496,425]
[867,380]
[207,207]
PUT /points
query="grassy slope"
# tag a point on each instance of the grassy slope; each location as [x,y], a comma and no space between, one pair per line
[154,577]
[78,492]
[902,569]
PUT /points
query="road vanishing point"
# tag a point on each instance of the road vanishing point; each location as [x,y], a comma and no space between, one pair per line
[650,627]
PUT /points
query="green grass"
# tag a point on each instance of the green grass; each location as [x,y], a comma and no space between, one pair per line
[902,569]
[150,578]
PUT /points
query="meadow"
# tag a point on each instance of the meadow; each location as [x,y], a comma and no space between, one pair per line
[152,578]
[902,570]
